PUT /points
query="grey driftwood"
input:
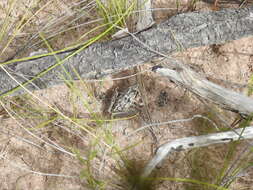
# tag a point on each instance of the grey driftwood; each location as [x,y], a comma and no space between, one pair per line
[181,31]
[181,74]
[195,141]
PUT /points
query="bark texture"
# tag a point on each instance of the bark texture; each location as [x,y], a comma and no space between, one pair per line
[181,31]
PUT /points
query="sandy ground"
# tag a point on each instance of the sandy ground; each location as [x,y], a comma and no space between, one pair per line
[164,101]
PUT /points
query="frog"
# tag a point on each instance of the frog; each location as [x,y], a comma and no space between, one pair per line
[126,103]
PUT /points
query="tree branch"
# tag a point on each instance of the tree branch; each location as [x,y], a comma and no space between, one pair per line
[193,142]
[187,78]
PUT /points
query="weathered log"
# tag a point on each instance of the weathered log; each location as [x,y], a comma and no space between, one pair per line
[181,31]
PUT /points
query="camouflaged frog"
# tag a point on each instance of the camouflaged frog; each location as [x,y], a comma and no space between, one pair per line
[126,103]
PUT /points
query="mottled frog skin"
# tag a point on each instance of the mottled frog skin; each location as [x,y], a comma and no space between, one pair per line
[126,103]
